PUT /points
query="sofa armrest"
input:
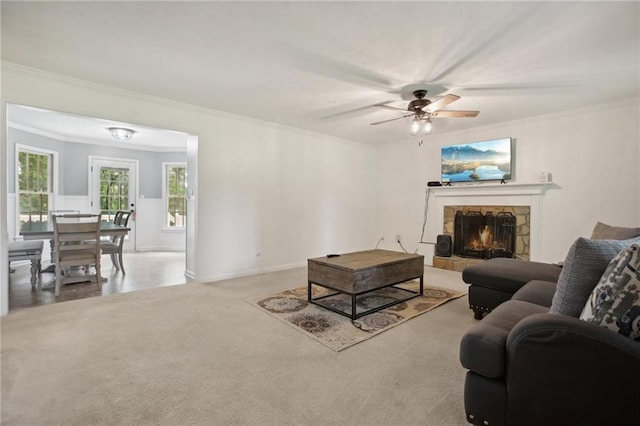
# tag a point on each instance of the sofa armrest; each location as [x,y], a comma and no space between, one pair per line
[562,370]
[483,347]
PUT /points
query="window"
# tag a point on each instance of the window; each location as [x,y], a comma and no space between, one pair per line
[34,186]
[175,194]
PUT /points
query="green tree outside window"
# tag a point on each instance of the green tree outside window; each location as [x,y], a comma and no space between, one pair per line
[176,187]
[114,191]
[33,187]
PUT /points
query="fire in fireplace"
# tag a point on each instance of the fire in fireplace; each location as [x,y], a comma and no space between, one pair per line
[484,236]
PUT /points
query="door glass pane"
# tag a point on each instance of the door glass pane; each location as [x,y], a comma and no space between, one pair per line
[114,191]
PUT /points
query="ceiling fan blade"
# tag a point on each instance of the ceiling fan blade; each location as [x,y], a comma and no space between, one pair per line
[442,102]
[393,119]
[353,111]
[326,66]
[390,107]
[455,114]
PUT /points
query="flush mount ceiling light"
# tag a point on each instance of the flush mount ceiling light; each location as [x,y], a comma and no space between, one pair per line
[121,133]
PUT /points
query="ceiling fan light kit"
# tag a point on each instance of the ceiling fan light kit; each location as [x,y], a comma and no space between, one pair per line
[422,110]
[419,124]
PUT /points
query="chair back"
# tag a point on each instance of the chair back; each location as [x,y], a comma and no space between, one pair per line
[116,217]
[121,218]
[70,231]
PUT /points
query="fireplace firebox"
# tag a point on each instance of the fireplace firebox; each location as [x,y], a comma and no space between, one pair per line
[484,236]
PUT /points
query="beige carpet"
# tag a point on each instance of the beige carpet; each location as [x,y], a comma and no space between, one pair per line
[198,354]
[337,331]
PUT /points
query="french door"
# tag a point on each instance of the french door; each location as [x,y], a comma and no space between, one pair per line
[113,184]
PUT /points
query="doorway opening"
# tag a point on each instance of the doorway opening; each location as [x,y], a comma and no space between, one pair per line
[127,175]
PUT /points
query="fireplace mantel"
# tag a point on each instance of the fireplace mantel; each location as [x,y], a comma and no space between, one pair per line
[490,194]
[480,189]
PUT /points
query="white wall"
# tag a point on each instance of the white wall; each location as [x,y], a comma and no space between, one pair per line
[150,228]
[287,193]
[592,154]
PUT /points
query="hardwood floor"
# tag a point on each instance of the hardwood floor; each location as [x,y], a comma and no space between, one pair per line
[144,270]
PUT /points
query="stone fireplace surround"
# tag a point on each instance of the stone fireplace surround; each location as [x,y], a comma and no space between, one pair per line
[514,197]
[521,213]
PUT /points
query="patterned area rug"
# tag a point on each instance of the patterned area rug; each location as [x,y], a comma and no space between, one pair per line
[339,332]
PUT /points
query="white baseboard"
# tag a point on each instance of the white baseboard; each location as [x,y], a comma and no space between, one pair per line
[159,248]
[190,274]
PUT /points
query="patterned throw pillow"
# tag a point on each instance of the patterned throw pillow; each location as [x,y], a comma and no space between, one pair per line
[615,301]
[603,231]
[584,265]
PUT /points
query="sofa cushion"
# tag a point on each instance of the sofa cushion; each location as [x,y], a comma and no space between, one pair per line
[584,265]
[509,275]
[483,347]
[615,301]
[607,232]
[536,291]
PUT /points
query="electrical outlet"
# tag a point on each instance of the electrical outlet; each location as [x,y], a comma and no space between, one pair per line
[397,238]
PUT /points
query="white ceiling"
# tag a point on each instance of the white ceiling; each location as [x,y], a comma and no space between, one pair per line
[75,128]
[322,65]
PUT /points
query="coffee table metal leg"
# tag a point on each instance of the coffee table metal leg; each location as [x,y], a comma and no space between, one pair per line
[353,315]
[353,307]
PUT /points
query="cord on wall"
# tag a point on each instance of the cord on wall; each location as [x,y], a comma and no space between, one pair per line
[426,213]
[379,241]
[401,246]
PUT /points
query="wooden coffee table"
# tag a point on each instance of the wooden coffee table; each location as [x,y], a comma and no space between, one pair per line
[363,272]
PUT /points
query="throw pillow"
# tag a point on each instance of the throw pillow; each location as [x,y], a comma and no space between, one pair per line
[615,301]
[607,232]
[584,265]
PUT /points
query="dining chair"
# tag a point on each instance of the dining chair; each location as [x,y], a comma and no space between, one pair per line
[113,246]
[51,268]
[70,236]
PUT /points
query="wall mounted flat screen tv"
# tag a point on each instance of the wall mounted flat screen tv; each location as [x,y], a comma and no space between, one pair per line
[477,161]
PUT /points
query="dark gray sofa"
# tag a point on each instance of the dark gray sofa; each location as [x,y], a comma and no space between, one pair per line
[496,280]
[531,367]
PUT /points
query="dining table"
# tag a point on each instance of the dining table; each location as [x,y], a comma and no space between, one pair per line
[44,231]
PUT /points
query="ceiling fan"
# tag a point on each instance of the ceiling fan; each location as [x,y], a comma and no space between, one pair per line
[422,110]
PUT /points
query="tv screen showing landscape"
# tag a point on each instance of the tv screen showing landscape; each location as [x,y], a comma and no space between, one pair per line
[477,161]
